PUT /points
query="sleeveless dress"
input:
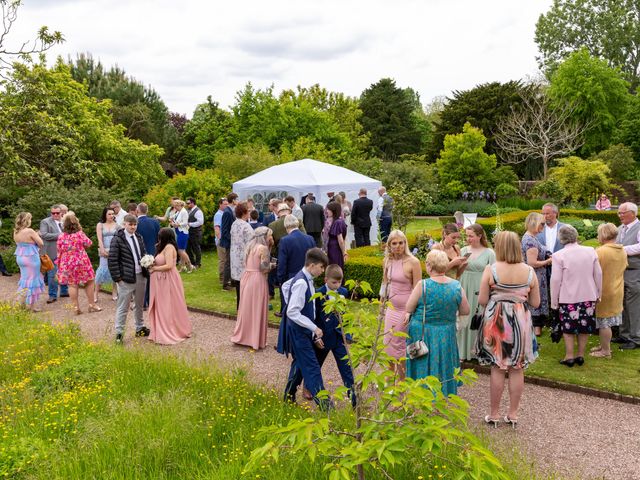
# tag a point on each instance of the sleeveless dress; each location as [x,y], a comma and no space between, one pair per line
[169,321]
[74,266]
[253,310]
[439,303]
[400,288]
[470,281]
[529,241]
[505,337]
[102,273]
[31,282]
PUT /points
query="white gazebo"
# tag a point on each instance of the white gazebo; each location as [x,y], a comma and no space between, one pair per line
[305,176]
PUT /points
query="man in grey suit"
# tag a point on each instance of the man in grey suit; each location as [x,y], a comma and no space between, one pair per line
[50,230]
[549,236]
[629,238]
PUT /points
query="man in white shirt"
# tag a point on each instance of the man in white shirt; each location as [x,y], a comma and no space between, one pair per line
[120,213]
[296,210]
[629,238]
[549,237]
[196,221]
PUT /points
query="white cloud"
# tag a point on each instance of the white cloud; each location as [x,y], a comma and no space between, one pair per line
[192,49]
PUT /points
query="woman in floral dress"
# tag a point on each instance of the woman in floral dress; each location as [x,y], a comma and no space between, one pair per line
[74,266]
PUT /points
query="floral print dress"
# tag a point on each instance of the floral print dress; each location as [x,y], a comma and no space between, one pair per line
[74,266]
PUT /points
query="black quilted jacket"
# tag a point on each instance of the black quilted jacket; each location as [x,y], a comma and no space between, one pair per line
[122,264]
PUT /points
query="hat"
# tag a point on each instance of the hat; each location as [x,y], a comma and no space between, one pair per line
[282,207]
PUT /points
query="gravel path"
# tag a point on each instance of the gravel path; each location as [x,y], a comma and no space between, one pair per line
[569,434]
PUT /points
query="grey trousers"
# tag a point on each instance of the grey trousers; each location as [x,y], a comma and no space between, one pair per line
[125,292]
[224,266]
[630,328]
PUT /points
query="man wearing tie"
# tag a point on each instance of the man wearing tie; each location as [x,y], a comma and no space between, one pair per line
[50,230]
[127,248]
[629,238]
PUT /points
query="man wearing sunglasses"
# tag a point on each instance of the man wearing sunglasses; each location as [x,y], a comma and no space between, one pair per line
[50,230]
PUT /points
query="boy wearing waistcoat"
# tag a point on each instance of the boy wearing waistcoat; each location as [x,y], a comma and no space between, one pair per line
[298,332]
[332,333]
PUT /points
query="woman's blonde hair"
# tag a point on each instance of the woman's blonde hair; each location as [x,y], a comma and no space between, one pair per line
[23,220]
[507,247]
[607,232]
[260,237]
[533,221]
[437,260]
[392,236]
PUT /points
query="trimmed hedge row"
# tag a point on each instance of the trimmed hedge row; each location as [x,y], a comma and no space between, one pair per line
[365,263]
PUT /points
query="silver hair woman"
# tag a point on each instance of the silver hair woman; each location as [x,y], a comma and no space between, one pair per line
[251,324]
[576,286]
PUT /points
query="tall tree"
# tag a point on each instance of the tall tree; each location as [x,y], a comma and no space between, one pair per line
[608,29]
[43,41]
[482,106]
[393,118]
[597,93]
[538,132]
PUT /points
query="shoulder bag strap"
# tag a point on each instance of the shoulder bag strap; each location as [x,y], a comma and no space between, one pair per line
[424,305]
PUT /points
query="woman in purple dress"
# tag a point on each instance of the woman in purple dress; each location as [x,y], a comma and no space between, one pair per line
[336,245]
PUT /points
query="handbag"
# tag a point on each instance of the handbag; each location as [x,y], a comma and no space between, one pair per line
[46,264]
[477,318]
[419,348]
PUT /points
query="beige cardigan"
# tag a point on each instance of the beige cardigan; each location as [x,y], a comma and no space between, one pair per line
[613,260]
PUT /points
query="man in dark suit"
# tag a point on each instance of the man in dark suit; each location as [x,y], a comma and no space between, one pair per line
[148,229]
[228,217]
[361,218]
[313,219]
[292,249]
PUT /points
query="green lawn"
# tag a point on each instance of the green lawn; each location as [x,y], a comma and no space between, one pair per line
[420,224]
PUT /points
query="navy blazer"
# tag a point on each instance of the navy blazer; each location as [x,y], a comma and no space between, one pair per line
[292,251]
[228,217]
[148,229]
[542,239]
[331,332]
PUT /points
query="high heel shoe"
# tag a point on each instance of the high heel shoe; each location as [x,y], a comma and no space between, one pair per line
[569,362]
[77,310]
[490,421]
[511,422]
[579,361]
[94,308]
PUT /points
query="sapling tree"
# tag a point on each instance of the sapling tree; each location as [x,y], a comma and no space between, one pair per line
[394,425]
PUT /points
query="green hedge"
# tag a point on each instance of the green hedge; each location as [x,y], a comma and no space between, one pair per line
[365,263]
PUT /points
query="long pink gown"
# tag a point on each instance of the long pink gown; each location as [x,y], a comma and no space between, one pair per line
[168,316]
[399,291]
[251,325]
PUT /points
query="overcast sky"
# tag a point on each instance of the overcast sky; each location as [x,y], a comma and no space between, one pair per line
[189,49]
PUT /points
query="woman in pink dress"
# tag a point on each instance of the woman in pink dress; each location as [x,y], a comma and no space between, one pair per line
[251,325]
[74,266]
[402,272]
[168,316]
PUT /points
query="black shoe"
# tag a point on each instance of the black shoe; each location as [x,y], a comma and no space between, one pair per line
[64,295]
[6,274]
[119,339]
[619,340]
[579,361]
[629,346]
[143,332]
[278,314]
[51,300]
[569,363]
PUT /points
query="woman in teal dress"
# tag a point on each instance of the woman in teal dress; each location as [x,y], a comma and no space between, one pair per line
[435,302]
[479,255]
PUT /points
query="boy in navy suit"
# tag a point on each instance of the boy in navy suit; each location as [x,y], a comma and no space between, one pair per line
[298,332]
[332,339]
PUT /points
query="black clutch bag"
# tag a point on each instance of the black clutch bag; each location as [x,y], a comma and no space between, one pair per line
[476,320]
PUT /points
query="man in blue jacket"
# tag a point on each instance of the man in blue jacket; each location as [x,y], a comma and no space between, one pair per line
[228,217]
[148,228]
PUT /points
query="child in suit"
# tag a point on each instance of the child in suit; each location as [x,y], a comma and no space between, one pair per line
[332,338]
[298,332]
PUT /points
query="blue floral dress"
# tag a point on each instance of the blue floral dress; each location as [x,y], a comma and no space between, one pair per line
[438,304]
[529,241]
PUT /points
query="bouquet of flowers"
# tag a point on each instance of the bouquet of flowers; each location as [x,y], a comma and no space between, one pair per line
[147,261]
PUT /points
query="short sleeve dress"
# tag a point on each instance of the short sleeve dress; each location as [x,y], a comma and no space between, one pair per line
[529,241]
[74,266]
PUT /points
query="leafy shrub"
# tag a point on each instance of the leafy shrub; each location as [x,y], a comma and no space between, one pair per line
[584,232]
[581,180]
[550,190]
[10,259]
[206,186]
[619,159]
[506,190]
[408,201]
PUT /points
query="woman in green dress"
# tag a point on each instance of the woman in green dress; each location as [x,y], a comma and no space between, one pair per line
[478,255]
[431,316]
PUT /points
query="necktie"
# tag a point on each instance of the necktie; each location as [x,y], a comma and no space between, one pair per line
[60,225]
[136,248]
